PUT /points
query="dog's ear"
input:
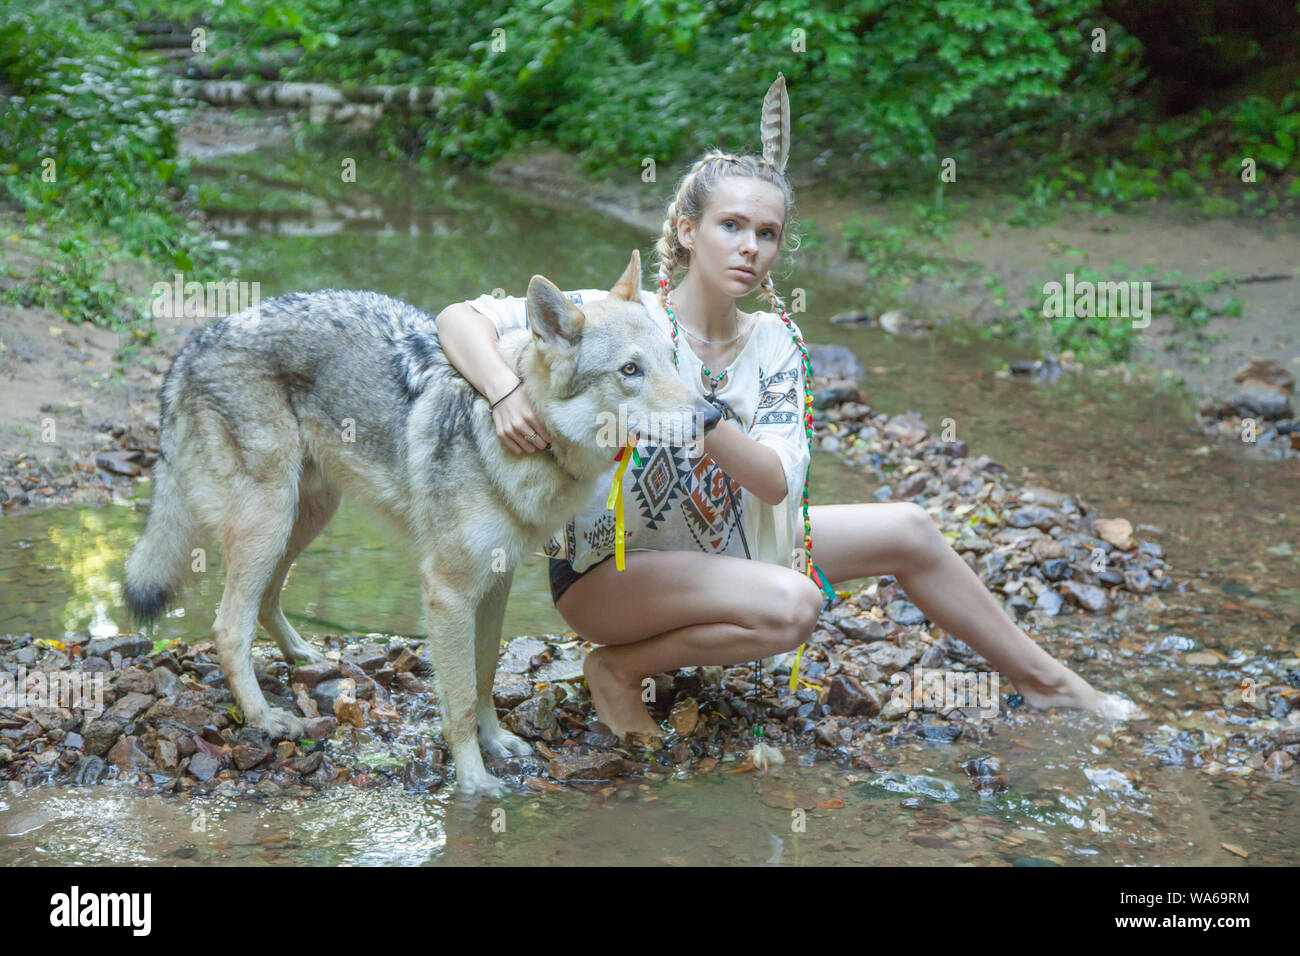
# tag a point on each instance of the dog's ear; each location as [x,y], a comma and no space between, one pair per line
[551,313]
[629,286]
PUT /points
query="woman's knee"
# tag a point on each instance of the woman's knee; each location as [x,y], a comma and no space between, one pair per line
[794,605]
[918,535]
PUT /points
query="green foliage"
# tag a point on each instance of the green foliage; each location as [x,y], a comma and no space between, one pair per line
[89,140]
[1100,338]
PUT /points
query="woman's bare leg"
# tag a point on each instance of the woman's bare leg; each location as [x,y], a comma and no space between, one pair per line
[868,539]
[671,609]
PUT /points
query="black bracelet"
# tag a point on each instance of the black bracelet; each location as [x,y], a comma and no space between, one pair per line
[492,407]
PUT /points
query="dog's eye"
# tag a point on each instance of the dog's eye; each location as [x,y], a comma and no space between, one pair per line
[629,368]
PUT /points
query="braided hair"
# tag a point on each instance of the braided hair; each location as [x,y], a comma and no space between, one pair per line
[692,197]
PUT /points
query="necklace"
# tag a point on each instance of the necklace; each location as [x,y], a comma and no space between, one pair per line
[714,380]
[700,338]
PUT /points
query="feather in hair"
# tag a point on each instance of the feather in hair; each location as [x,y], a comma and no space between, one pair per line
[775,126]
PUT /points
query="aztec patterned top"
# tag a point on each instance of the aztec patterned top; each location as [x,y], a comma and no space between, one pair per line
[675,503]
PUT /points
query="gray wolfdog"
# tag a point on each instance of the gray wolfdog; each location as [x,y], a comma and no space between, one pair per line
[270,414]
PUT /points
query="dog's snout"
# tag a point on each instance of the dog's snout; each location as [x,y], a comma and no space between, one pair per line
[711,416]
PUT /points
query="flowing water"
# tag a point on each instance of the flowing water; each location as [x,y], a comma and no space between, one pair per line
[1226,518]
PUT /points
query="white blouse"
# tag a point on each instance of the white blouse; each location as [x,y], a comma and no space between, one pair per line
[675,503]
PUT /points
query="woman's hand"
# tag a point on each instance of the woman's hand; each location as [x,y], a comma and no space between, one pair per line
[518,425]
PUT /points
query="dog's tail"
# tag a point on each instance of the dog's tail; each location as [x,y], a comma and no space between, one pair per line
[159,566]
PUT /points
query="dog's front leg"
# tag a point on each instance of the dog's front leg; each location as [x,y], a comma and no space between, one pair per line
[450,620]
[495,739]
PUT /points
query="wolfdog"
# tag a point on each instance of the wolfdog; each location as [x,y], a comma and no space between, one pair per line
[268,416]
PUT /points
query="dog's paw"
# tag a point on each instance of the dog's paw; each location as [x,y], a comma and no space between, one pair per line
[479,783]
[304,654]
[281,724]
[502,743]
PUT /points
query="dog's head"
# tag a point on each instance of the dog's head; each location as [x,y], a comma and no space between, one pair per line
[611,371]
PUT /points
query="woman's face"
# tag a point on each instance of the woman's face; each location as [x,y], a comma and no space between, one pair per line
[741,227]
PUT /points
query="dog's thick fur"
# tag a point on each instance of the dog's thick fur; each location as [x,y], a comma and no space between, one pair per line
[269,416]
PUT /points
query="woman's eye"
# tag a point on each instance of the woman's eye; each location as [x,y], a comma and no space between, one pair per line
[629,368]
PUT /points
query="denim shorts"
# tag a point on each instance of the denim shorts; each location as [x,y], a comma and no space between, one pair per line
[563,576]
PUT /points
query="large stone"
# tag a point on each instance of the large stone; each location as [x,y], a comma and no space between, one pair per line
[100,735]
[1087,596]
[905,613]
[1116,531]
[247,756]
[309,675]
[129,645]
[191,709]
[1267,371]
[1261,399]
[836,362]
[535,717]
[684,717]
[864,628]
[601,765]
[204,766]
[126,754]
[850,698]
[130,706]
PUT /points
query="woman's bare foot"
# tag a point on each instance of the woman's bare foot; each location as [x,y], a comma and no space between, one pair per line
[1066,689]
[617,698]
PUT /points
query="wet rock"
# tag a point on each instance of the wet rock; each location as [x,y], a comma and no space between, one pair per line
[512,692]
[166,755]
[601,765]
[535,717]
[938,732]
[247,756]
[127,756]
[130,706]
[986,775]
[130,645]
[322,728]
[134,680]
[165,682]
[684,717]
[74,741]
[1086,596]
[1258,399]
[327,692]
[1054,569]
[88,771]
[850,698]
[420,776]
[864,629]
[905,613]
[191,709]
[310,675]
[100,735]
[204,766]
[1049,602]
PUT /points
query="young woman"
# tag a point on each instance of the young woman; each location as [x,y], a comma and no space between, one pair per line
[688,596]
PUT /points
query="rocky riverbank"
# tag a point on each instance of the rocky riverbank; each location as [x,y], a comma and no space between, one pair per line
[1079,580]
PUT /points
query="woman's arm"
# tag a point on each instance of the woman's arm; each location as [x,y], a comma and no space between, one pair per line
[753,465]
[469,340]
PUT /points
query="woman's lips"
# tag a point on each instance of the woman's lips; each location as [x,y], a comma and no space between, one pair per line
[744,272]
